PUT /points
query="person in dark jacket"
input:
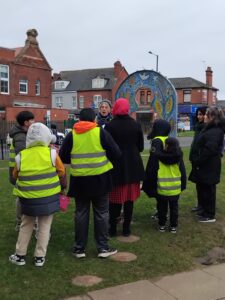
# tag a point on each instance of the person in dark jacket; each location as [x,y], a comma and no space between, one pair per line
[18,134]
[91,152]
[37,170]
[128,170]
[161,128]
[170,179]
[199,125]
[206,162]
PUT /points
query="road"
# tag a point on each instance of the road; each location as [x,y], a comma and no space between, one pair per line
[184,142]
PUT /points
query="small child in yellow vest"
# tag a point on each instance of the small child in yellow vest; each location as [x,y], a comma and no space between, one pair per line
[37,170]
[170,179]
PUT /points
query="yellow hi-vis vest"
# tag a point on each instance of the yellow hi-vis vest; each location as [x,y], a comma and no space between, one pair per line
[88,158]
[169,180]
[12,156]
[37,175]
[169,176]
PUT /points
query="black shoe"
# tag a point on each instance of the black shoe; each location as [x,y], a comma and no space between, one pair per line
[206,220]
[155,216]
[196,209]
[162,228]
[79,252]
[103,253]
[173,229]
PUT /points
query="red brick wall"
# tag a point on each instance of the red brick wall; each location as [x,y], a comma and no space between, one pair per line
[31,74]
[196,97]
[88,96]
[6,55]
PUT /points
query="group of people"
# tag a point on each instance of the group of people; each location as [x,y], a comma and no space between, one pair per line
[106,171]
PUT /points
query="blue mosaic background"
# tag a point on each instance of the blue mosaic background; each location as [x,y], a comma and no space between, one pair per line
[164,101]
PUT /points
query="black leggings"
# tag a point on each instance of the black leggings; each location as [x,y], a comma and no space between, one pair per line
[114,213]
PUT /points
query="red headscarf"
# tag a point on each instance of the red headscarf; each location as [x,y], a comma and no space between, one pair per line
[121,107]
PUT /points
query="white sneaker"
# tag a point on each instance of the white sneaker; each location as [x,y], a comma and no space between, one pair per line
[18,260]
[39,261]
[103,253]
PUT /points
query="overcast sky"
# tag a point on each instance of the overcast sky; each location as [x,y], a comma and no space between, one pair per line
[188,35]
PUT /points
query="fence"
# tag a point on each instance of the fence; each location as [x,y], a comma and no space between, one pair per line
[5,127]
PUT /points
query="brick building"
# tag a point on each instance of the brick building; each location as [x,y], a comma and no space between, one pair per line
[25,80]
[77,89]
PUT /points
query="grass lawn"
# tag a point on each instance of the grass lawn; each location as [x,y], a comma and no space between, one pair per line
[158,253]
[188,133]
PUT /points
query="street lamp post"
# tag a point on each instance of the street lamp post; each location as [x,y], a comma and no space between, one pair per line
[157,59]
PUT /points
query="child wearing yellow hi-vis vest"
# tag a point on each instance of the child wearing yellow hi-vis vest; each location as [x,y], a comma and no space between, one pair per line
[169,175]
[38,169]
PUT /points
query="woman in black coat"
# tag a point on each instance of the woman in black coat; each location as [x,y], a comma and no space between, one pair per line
[206,162]
[128,170]
[199,125]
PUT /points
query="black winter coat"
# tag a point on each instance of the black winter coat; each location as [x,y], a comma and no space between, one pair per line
[128,134]
[160,128]
[206,161]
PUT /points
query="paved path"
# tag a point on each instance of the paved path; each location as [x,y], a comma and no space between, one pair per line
[184,142]
[207,283]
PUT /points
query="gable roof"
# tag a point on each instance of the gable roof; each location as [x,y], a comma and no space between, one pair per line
[81,80]
[188,83]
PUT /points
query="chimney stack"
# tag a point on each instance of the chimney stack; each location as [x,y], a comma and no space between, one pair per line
[209,76]
[117,68]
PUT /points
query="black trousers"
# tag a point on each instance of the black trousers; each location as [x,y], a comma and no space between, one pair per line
[100,207]
[198,189]
[207,198]
[163,202]
[114,213]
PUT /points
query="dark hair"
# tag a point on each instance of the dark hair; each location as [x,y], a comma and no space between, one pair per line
[23,116]
[216,114]
[172,145]
[87,114]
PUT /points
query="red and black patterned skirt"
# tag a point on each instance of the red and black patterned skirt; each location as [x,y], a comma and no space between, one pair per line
[123,193]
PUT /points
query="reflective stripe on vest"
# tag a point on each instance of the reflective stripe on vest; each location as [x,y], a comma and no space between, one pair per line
[87,156]
[12,156]
[37,175]
[169,180]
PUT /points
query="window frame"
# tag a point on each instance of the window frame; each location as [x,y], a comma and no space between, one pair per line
[97,99]
[37,87]
[25,84]
[187,96]
[81,99]
[58,101]
[4,80]
[74,100]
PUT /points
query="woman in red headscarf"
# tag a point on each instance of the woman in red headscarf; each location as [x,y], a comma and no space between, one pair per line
[129,169]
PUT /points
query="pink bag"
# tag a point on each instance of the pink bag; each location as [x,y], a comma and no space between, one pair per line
[64,202]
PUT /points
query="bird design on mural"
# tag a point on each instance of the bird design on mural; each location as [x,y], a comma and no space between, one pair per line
[144,76]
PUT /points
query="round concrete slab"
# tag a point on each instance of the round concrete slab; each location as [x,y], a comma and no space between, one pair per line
[78,298]
[128,239]
[86,280]
[123,256]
